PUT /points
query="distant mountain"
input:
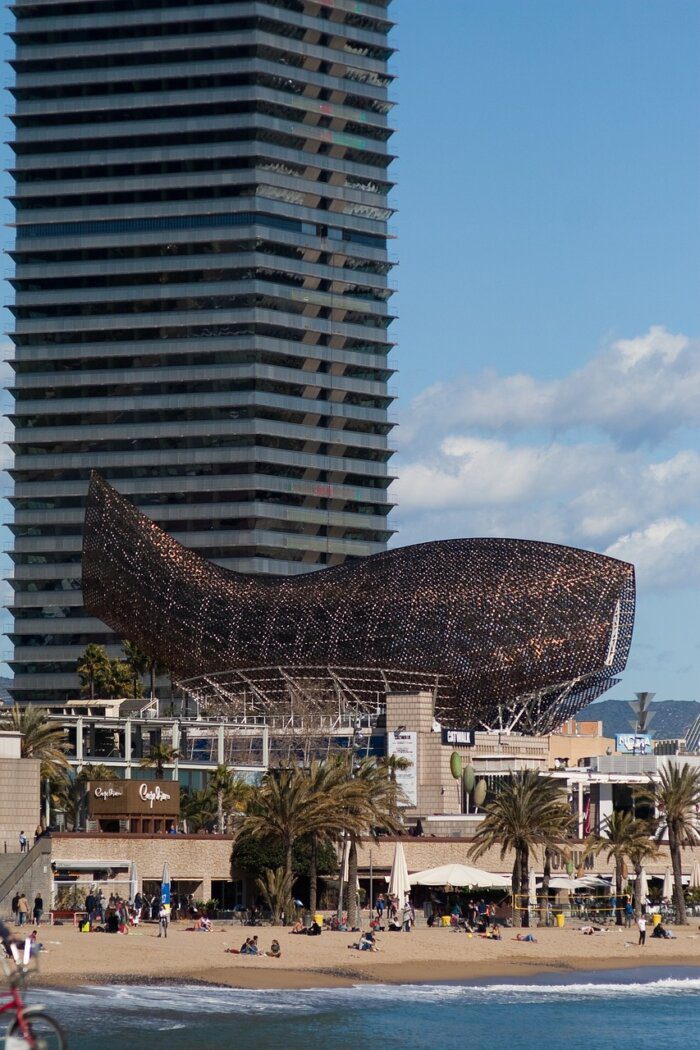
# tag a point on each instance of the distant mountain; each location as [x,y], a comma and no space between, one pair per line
[670,719]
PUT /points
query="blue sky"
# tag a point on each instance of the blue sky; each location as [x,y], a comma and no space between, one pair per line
[549,363]
[549,338]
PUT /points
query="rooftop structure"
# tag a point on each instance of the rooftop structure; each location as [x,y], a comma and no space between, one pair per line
[504,633]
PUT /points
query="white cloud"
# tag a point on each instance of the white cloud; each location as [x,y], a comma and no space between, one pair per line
[634,390]
[586,459]
[666,552]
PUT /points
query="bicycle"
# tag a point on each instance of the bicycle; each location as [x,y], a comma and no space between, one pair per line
[31,1028]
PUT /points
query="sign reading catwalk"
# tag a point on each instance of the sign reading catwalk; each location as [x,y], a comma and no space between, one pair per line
[504,632]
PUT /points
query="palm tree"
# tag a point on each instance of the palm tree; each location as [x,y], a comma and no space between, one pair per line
[326,779]
[138,662]
[676,798]
[623,834]
[92,668]
[41,738]
[159,755]
[527,811]
[119,680]
[276,890]
[285,809]
[196,809]
[373,800]
[67,796]
[638,853]
[95,771]
[229,791]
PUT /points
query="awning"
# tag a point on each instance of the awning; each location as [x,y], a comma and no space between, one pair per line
[89,865]
[460,876]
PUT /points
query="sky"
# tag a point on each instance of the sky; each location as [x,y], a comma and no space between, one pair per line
[548,357]
[549,334]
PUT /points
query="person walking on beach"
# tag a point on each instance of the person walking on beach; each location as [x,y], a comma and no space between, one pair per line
[629,913]
[15,908]
[38,909]
[642,924]
[23,843]
[163,918]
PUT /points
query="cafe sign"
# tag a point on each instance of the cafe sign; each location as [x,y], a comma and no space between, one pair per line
[134,798]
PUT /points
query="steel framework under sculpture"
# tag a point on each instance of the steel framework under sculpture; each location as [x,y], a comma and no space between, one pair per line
[504,632]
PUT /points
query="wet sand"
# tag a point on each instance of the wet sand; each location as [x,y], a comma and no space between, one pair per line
[424,955]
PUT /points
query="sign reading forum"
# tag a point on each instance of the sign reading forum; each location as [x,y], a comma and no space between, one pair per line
[126,798]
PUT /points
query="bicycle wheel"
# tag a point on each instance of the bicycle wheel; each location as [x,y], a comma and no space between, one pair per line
[45,1033]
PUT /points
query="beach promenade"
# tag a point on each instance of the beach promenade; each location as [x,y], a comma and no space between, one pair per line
[424,955]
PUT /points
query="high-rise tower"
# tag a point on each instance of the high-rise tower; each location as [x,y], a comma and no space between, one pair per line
[201,290]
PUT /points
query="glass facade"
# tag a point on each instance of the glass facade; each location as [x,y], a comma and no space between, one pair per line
[202,288]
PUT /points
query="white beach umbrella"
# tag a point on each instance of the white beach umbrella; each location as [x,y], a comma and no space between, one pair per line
[399,884]
[642,886]
[667,891]
[532,889]
[460,875]
[133,881]
[695,876]
[561,882]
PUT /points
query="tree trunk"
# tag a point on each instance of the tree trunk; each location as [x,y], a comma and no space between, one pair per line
[525,884]
[313,875]
[352,885]
[515,890]
[288,858]
[618,891]
[678,898]
[545,885]
[92,687]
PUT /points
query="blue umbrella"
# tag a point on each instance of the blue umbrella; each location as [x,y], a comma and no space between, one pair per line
[165,888]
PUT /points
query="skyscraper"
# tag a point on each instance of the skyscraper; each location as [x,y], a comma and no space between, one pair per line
[201,290]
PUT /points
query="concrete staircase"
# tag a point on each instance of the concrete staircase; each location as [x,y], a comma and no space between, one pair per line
[29,872]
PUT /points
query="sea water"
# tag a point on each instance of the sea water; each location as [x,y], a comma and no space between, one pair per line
[643,1009]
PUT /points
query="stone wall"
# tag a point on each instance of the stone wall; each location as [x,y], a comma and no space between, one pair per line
[192,858]
[20,801]
[29,874]
[422,853]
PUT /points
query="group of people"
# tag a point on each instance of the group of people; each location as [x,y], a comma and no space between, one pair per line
[21,911]
[251,947]
[398,916]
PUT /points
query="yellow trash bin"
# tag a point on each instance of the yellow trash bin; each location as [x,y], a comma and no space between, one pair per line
[656,918]
[560,918]
[318,917]
[445,920]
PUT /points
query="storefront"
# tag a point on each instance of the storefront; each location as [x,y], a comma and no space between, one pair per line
[136,806]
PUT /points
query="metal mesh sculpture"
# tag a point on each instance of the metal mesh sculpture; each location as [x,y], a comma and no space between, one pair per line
[505,632]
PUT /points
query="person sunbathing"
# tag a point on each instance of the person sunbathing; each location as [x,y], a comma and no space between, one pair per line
[298,927]
[275,950]
[526,937]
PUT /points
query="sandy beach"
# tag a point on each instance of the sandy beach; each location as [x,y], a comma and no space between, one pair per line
[424,955]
